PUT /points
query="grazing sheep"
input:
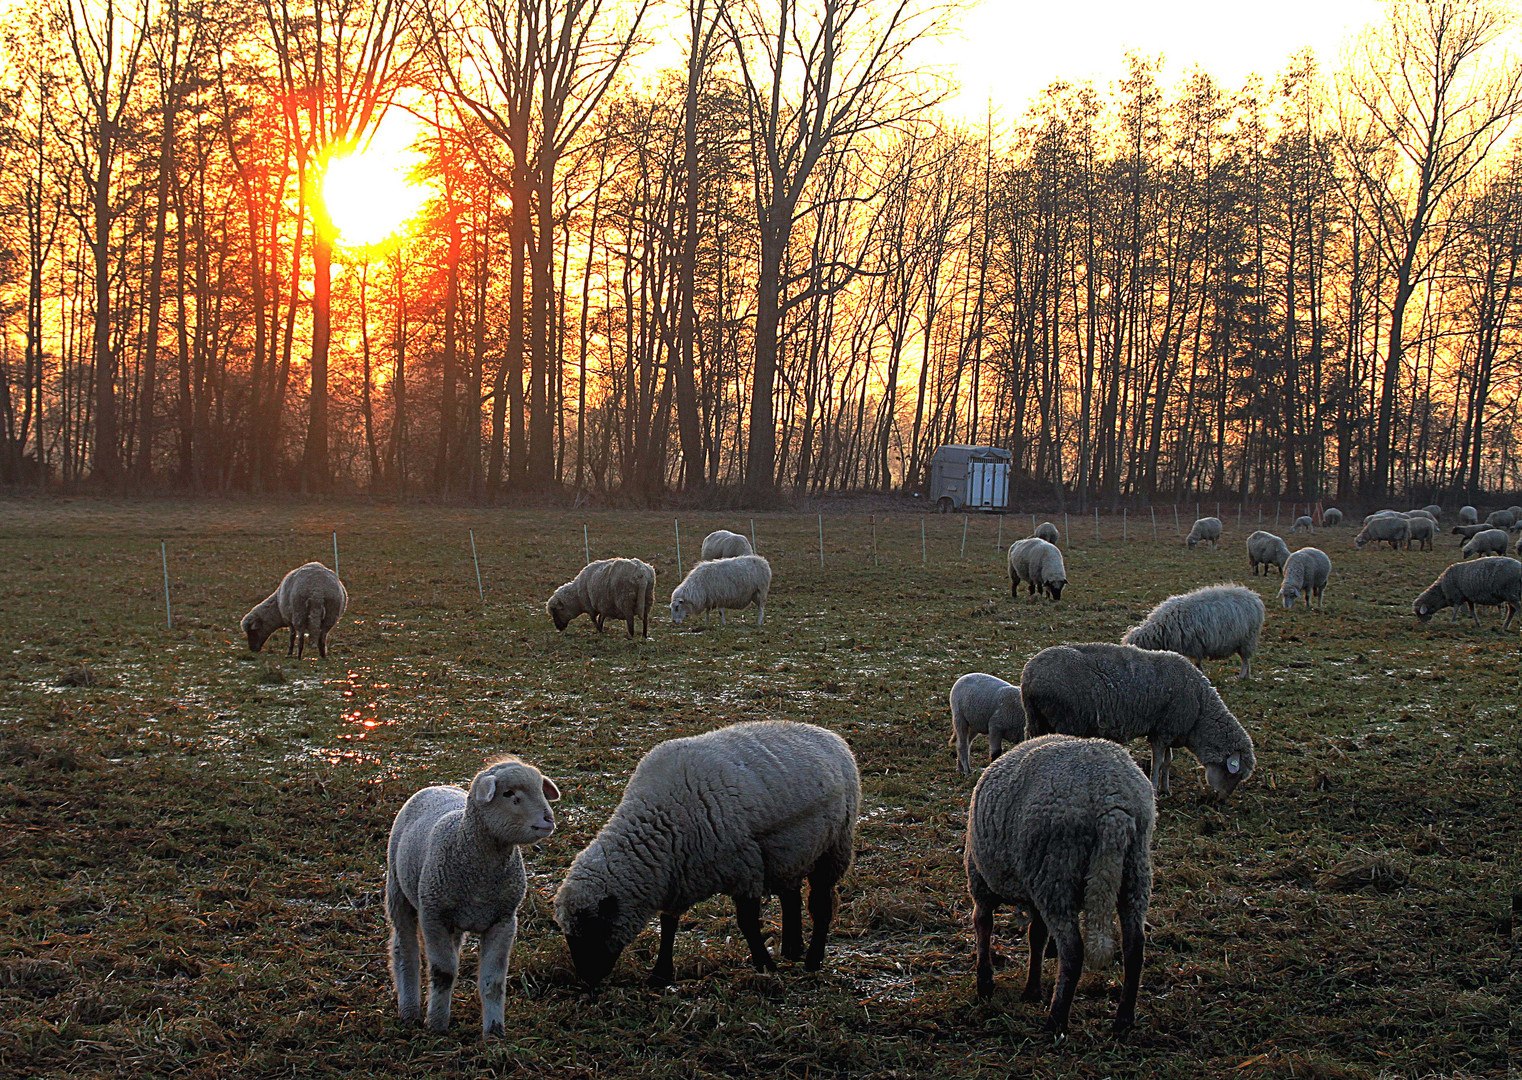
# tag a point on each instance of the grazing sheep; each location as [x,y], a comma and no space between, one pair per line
[1305,574]
[747,811]
[1468,515]
[1209,623]
[310,600]
[453,866]
[606,589]
[1265,549]
[1422,529]
[1469,532]
[1434,510]
[1303,524]
[1492,582]
[1038,563]
[1503,519]
[1489,542]
[1120,692]
[1205,529]
[1046,531]
[984,705]
[1393,529]
[1331,516]
[723,544]
[732,584]
[1062,828]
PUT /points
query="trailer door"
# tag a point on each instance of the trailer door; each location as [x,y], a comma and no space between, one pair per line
[1000,500]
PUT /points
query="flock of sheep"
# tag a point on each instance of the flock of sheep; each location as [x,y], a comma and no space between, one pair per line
[1059,826]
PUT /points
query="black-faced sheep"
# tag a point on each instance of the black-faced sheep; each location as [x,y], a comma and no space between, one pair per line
[310,600]
[1038,563]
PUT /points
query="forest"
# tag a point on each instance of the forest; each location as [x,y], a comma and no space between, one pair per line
[778,268]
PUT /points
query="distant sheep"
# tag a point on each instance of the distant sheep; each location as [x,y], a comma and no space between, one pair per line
[723,544]
[1392,529]
[1468,515]
[1062,827]
[726,584]
[1265,549]
[1423,529]
[1204,529]
[1489,582]
[1304,524]
[606,589]
[1425,513]
[1435,510]
[1305,574]
[984,705]
[310,600]
[1469,532]
[1046,531]
[1489,542]
[1038,563]
[1503,519]
[1332,516]
[1209,623]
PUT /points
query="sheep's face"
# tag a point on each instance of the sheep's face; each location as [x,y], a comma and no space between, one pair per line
[1054,588]
[1423,611]
[1288,595]
[680,609]
[513,800]
[1191,541]
[590,936]
[559,612]
[1359,541]
[1224,776]
[256,629]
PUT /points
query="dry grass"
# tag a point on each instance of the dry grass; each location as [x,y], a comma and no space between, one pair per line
[193,837]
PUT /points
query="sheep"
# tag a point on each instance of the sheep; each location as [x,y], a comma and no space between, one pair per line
[1489,542]
[1205,529]
[1062,828]
[1265,549]
[746,810]
[733,584]
[1209,623]
[1383,514]
[606,589]
[1304,524]
[1434,510]
[1038,563]
[1468,515]
[1046,531]
[984,705]
[1120,692]
[1491,581]
[1504,519]
[1393,529]
[723,544]
[310,600]
[1305,574]
[453,865]
[1422,529]
[1469,532]
[1331,516]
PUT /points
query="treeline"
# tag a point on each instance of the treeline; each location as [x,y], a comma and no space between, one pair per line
[778,268]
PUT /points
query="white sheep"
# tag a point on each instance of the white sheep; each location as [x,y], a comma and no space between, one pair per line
[1423,512]
[1331,516]
[1434,509]
[1392,529]
[1120,692]
[1422,530]
[1204,529]
[1468,515]
[1492,582]
[1209,623]
[1061,828]
[1046,531]
[1038,563]
[453,866]
[1265,549]
[732,584]
[723,544]
[747,811]
[1489,542]
[1503,519]
[984,705]
[1305,574]
[606,589]
[1303,524]
[310,600]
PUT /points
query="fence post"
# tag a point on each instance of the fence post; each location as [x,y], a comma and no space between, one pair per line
[1065,531]
[821,541]
[1218,510]
[586,544]
[1176,526]
[164,555]
[1096,523]
[924,551]
[752,534]
[1277,505]
[1239,515]
[964,536]
[1154,523]
[677,525]
[1125,536]
[335,553]
[473,558]
[873,519]
[999,543]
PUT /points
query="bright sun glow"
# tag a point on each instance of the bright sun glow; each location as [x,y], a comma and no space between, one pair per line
[369,194]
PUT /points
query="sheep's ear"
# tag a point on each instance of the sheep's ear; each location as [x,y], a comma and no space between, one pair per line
[485,789]
[551,792]
[1234,764]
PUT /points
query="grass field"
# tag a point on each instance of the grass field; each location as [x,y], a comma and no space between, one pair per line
[192,838]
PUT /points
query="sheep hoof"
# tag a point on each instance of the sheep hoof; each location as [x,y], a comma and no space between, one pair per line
[495,1031]
[985,984]
[1122,1025]
[661,978]
[1031,997]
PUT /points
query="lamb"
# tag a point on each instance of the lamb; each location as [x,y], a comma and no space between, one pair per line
[1265,549]
[1205,529]
[1393,529]
[1209,623]
[1492,582]
[1062,828]
[1503,519]
[1038,563]
[453,865]
[733,584]
[984,705]
[1331,516]
[310,600]
[746,810]
[606,589]
[1423,529]
[1489,542]
[723,544]
[1305,574]
[1468,515]
[1303,523]
[1120,692]
[1046,531]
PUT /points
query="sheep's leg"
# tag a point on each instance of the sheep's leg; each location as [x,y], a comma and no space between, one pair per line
[822,881]
[1473,612]
[1511,612]
[301,644]
[630,622]
[748,915]
[1014,588]
[664,972]
[983,931]
[1133,946]
[722,620]
[1069,969]
[995,744]
[760,610]
[1162,757]
[290,649]
[1246,672]
[792,922]
[1038,939]
[964,750]
[442,947]
[597,621]
[404,953]
[322,644]
[496,950]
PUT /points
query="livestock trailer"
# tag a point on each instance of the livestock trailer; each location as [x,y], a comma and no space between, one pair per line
[970,478]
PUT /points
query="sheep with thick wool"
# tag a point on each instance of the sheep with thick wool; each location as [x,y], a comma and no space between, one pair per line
[1120,693]
[1422,530]
[1489,542]
[1392,529]
[454,866]
[726,584]
[1468,515]
[1491,582]
[1305,574]
[723,544]
[1501,519]
[1331,516]
[984,705]
[1208,528]
[1061,828]
[1265,549]
[1038,563]
[1209,623]
[310,600]
[606,589]
[747,811]
[1047,531]
[1435,510]
[1304,524]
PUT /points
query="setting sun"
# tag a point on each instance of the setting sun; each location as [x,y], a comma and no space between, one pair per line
[370,195]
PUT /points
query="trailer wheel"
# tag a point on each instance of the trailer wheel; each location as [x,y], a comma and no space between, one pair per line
[943,505]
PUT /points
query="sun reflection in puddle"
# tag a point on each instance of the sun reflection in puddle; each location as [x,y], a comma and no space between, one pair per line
[364,716]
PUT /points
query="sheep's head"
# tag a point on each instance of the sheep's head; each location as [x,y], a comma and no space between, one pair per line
[590,933]
[1288,594]
[258,629]
[1359,541]
[1224,775]
[1054,588]
[560,611]
[512,800]
[681,607]
[1191,540]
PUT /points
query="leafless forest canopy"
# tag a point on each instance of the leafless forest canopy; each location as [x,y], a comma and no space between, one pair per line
[778,267]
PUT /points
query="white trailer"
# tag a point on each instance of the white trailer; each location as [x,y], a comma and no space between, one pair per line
[969,478]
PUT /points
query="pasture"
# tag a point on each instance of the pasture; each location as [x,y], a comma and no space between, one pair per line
[192,838]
